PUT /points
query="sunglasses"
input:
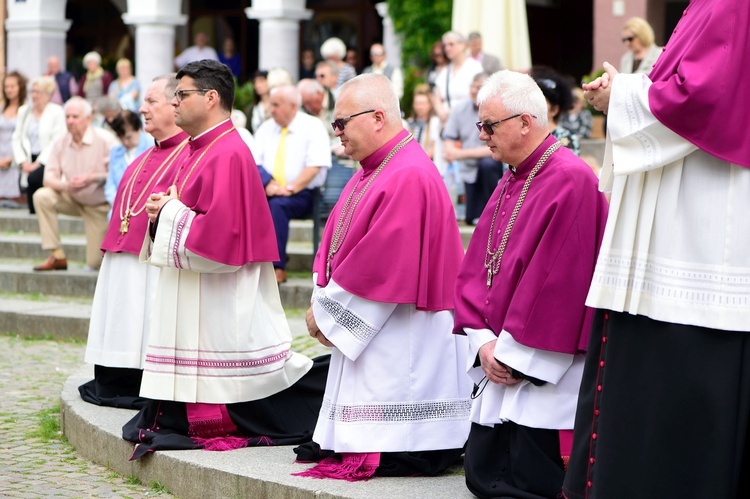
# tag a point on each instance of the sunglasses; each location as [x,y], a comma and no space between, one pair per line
[628,39]
[489,128]
[340,123]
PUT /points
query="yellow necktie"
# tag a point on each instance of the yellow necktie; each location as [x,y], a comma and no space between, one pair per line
[280,160]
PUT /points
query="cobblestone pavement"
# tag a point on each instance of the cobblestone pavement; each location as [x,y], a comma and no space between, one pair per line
[32,373]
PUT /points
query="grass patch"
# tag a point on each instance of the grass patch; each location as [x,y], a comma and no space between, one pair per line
[159,488]
[48,425]
[133,480]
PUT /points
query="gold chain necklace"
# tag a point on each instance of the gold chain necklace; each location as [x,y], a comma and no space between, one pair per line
[493,259]
[347,214]
[130,210]
[179,191]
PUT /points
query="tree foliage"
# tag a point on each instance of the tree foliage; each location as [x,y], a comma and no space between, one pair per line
[421,23]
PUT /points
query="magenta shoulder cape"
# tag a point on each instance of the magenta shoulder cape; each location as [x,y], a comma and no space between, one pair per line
[539,293]
[403,245]
[233,223]
[132,240]
[701,81]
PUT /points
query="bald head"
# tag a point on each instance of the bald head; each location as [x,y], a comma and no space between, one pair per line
[285,102]
[373,91]
[367,115]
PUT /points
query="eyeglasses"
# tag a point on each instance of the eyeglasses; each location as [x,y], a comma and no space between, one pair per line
[628,39]
[340,123]
[489,127]
[180,94]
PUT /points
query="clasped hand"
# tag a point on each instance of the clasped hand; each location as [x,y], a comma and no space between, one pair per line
[159,199]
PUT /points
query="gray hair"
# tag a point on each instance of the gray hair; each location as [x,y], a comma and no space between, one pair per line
[92,56]
[333,47]
[45,83]
[80,102]
[373,91]
[475,35]
[170,86]
[332,65]
[107,103]
[310,86]
[519,93]
[453,35]
[289,92]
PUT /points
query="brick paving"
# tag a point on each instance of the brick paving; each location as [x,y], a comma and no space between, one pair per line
[32,373]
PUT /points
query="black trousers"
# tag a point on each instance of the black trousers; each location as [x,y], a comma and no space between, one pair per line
[477,194]
[36,182]
[663,412]
[513,461]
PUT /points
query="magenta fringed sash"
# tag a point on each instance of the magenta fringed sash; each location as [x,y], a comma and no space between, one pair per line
[352,467]
[566,444]
[211,427]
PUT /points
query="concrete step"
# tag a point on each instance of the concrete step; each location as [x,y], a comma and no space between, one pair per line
[21,222]
[58,304]
[96,433]
[55,317]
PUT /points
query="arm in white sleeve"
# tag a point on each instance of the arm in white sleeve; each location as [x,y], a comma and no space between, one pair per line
[348,321]
[541,364]
[168,247]
[636,140]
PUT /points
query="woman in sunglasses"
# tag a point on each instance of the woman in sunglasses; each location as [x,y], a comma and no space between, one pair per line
[638,37]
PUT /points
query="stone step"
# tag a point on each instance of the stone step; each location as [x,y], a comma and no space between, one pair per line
[21,223]
[96,433]
[28,246]
[61,318]
[58,304]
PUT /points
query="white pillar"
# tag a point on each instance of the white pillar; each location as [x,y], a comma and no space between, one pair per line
[35,30]
[154,22]
[279,32]
[391,41]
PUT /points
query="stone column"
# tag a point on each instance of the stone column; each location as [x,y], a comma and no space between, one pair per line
[35,30]
[154,22]
[279,32]
[391,41]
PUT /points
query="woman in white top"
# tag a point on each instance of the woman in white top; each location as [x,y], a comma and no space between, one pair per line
[453,82]
[39,124]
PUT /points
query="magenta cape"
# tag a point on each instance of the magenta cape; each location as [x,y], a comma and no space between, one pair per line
[701,82]
[539,293]
[403,244]
[132,240]
[233,223]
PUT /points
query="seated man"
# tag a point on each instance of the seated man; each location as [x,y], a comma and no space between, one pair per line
[397,399]
[74,185]
[219,368]
[294,151]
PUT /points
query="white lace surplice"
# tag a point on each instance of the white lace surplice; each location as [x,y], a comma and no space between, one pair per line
[676,244]
[395,383]
[218,334]
[121,312]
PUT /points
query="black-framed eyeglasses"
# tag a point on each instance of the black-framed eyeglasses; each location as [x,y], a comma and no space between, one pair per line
[489,128]
[340,123]
[180,94]
[628,39]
